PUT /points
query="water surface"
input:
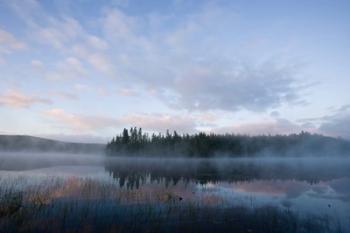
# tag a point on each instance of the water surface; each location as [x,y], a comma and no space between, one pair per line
[309,194]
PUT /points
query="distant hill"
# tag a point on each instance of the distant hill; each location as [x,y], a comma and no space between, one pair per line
[37,144]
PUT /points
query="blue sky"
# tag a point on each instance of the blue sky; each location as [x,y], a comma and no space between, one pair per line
[82,70]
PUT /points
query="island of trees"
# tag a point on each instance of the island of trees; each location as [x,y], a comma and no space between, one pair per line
[134,142]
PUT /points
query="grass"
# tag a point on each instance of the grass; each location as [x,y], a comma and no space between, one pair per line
[85,205]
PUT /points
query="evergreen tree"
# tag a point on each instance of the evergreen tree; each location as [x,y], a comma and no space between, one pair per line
[125,139]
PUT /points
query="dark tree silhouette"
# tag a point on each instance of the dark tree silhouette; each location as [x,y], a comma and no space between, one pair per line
[136,142]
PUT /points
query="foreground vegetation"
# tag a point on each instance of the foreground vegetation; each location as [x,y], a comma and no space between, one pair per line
[177,195]
[86,206]
[135,142]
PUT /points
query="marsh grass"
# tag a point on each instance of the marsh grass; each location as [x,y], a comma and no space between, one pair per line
[85,205]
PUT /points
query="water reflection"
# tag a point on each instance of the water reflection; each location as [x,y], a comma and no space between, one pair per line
[307,187]
[132,173]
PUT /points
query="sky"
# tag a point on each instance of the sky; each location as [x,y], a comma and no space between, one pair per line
[83,70]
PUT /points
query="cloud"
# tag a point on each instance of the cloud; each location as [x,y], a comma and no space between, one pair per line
[337,124]
[97,42]
[234,88]
[25,9]
[68,36]
[18,99]
[189,123]
[8,44]
[121,3]
[127,92]
[97,59]
[81,122]
[183,76]
[207,119]
[37,64]
[188,62]
[119,26]
[65,95]
[160,122]
[63,33]
[274,114]
[70,68]
[100,62]
[59,32]
[152,122]
[273,127]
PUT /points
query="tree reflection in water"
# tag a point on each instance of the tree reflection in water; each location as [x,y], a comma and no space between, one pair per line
[133,172]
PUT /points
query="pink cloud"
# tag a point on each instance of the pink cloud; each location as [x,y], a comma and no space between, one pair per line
[160,122]
[81,122]
[151,122]
[18,99]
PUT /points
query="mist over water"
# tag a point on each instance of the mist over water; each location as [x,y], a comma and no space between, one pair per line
[302,186]
[34,160]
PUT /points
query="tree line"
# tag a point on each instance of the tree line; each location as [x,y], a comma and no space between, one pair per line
[136,142]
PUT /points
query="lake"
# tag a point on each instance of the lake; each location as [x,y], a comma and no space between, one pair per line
[48,192]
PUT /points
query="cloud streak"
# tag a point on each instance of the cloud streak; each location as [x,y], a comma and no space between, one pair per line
[9,42]
[160,122]
[272,127]
[337,124]
[80,122]
[70,68]
[152,122]
[18,99]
